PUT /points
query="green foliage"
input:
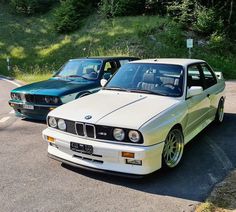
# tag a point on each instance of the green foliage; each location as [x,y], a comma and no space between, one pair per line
[69,14]
[33,74]
[31,43]
[182,11]
[154,7]
[29,7]
[207,21]
[112,8]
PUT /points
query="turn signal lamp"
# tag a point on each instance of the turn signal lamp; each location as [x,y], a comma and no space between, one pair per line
[127,154]
[50,139]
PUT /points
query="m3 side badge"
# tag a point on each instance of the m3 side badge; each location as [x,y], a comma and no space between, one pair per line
[88,117]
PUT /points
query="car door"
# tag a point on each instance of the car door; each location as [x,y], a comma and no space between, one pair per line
[210,82]
[198,105]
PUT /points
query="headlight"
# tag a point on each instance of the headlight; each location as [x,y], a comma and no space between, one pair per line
[52,122]
[51,100]
[134,136]
[15,96]
[61,124]
[47,99]
[119,134]
[55,100]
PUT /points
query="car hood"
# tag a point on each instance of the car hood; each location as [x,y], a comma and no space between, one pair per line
[56,87]
[117,109]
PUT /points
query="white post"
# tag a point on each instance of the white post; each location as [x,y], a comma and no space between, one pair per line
[8,64]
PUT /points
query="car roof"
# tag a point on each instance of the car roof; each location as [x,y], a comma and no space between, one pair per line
[174,61]
[108,58]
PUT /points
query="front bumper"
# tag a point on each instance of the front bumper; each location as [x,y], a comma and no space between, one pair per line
[38,112]
[106,156]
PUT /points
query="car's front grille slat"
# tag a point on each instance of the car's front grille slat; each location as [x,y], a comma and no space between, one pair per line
[90,131]
[79,129]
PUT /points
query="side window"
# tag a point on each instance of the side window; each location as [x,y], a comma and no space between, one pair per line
[210,78]
[194,76]
[111,67]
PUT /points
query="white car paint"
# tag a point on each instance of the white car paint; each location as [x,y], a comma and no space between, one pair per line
[153,115]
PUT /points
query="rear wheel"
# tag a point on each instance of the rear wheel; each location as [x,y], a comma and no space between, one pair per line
[220,112]
[173,148]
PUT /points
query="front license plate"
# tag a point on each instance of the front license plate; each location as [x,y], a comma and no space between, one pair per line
[81,148]
[29,107]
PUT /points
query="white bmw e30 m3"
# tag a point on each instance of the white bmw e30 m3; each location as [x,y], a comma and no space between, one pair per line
[140,120]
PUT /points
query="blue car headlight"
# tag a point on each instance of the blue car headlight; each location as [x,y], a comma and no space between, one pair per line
[51,100]
[15,96]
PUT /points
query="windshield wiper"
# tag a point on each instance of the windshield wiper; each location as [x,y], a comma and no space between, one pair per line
[78,76]
[115,89]
[147,91]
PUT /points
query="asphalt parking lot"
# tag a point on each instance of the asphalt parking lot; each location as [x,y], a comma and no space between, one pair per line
[30,181]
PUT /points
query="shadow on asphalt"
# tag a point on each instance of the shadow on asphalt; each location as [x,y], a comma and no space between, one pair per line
[34,121]
[206,161]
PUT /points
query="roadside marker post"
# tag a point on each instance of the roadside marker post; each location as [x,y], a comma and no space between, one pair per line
[189,46]
[8,64]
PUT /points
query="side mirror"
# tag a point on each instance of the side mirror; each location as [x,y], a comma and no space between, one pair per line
[194,90]
[107,76]
[103,82]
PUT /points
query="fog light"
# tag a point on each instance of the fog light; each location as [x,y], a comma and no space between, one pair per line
[51,108]
[134,162]
[50,139]
[127,154]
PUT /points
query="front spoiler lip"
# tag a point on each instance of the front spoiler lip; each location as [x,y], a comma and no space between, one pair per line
[120,174]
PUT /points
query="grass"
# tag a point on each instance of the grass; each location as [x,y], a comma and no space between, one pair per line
[222,198]
[36,50]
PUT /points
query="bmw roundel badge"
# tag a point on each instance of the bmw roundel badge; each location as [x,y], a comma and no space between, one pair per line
[88,117]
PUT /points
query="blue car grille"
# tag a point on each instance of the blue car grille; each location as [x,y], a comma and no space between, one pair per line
[36,99]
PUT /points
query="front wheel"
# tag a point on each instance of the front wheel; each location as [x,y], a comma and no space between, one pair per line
[220,112]
[173,148]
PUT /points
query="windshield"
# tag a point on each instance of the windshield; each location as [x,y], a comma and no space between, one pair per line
[159,79]
[84,68]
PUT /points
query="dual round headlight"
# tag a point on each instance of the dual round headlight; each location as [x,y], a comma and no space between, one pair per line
[15,96]
[54,123]
[51,100]
[133,135]
[61,124]
[119,134]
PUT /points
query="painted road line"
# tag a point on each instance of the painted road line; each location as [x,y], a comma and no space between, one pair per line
[13,82]
[4,119]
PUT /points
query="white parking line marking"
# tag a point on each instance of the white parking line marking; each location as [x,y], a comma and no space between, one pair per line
[4,119]
[12,112]
[15,83]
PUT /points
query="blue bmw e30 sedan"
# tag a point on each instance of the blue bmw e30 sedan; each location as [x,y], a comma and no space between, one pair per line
[77,78]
